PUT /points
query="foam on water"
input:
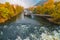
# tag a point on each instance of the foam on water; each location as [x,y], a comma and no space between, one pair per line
[29,32]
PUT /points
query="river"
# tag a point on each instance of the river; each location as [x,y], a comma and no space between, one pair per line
[28,28]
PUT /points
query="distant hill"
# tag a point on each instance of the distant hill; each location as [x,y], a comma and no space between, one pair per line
[40,2]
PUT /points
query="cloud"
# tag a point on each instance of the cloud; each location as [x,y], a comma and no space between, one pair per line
[25,3]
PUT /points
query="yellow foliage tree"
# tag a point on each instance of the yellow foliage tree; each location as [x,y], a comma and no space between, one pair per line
[49,4]
[7,11]
[19,9]
[31,8]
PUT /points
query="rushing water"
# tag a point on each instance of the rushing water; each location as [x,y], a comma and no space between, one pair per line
[26,28]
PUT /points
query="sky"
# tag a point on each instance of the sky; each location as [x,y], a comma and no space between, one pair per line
[25,3]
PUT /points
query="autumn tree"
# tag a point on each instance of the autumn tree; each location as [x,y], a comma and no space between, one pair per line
[31,8]
[19,9]
[38,10]
[56,13]
[7,11]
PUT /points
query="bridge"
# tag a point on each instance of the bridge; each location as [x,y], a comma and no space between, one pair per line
[29,13]
[39,15]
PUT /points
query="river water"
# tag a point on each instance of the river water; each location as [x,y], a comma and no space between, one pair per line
[28,28]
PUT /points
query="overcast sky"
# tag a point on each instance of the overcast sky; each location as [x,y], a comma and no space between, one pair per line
[25,3]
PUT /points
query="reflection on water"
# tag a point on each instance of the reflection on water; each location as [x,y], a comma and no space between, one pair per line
[22,16]
[29,29]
